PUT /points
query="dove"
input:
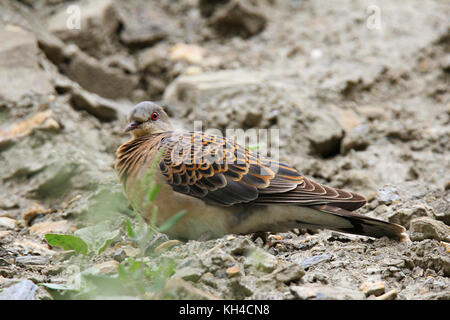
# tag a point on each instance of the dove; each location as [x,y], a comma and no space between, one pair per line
[225,188]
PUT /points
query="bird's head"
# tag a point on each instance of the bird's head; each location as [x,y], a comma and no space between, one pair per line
[147,118]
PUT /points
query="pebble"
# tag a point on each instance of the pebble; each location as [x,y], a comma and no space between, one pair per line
[427,228]
[308,262]
[373,288]
[4,233]
[8,223]
[321,292]
[232,271]
[167,245]
[62,226]
[291,273]
[390,295]
[189,273]
[32,260]
[24,290]
[107,267]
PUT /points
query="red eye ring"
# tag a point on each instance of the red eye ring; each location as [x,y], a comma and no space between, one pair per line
[155,116]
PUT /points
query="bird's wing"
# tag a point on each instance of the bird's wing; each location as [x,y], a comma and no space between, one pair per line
[223,172]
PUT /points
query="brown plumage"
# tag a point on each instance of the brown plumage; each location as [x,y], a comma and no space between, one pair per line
[227,188]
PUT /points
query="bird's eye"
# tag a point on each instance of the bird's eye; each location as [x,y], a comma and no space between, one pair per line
[155,116]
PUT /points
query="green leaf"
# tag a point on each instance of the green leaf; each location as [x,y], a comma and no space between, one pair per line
[166,226]
[67,242]
[97,237]
[154,192]
[56,286]
[130,230]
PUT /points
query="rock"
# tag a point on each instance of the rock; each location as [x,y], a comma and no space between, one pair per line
[24,290]
[142,26]
[103,109]
[5,234]
[324,134]
[356,139]
[189,90]
[189,273]
[119,255]
[19,61]
[185,290]
[321,292]
[238,18]
[390,295]
[388,194]
[428,228]
[404,216]
[98,22]
[62,226]
[347,118]
[187,52]
[262,260]
[373,288]
[107,267]
[238,289]
[232,271]
[165,246]
[441,207]
[8,223]
[289,274]
[40,120]
[305,264]
[33,260]
[240,246]
[95,77]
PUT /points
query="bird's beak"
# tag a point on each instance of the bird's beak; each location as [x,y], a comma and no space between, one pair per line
[132,125]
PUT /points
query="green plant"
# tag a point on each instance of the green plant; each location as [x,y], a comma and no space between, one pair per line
[135,276]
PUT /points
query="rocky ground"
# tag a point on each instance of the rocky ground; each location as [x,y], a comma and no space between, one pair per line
[360,105]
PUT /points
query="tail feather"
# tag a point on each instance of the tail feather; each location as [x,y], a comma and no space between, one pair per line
[359,224]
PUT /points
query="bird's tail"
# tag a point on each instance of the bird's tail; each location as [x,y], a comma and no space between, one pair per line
[342,220]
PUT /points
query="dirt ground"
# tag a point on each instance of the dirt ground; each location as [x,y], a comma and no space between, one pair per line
[359,91]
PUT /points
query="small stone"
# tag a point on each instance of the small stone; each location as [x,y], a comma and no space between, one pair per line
[189,273]
[119,255]
[373,288]
[263,260]
[62,226]
[238,18]
[132,252]
[167,246]
[428,228]
[187,52]
[321,292]
[185,290]
[33,260]
[24,290]
[275,237]
[232,271]
[314,260]
[390,295]
[8,223]
[4,233]
[107,267]
[99,107]
[290,274]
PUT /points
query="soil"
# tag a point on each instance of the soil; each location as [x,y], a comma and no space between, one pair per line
[358,90]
